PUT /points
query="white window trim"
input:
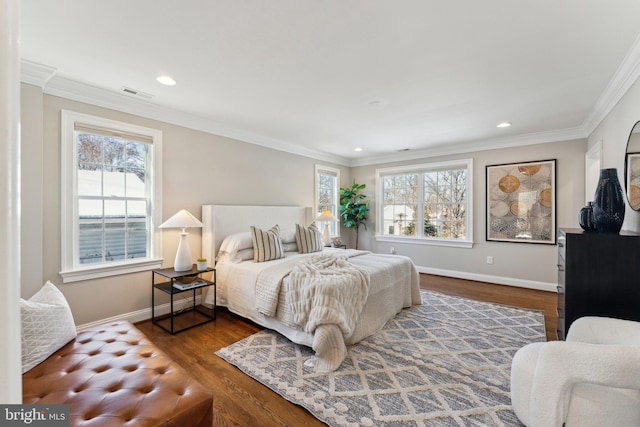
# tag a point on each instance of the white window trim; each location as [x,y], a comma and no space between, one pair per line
[434,241]
[69,239]
[321,168]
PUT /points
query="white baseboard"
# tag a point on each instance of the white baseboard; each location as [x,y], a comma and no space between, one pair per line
[509,281]
[144,314]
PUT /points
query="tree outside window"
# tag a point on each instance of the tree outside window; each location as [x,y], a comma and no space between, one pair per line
[432,196]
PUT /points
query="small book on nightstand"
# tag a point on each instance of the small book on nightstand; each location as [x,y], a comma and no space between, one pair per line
[190,284]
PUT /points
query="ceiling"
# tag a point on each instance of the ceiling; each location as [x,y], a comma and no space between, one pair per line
[322,77]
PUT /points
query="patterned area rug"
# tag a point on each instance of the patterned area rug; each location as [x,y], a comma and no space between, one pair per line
[444,363]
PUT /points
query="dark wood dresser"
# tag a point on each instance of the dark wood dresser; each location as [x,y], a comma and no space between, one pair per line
[598,275]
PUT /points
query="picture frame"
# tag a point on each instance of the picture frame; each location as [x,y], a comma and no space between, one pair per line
[521,202]
[632,168]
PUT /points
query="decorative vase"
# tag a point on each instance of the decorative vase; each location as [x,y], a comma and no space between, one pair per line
[585,218]
[608,205]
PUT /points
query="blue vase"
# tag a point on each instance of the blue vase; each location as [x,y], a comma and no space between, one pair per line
[585,219]
[608,204]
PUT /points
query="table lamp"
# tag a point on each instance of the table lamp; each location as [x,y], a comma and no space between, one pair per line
[184,220]
[326,216]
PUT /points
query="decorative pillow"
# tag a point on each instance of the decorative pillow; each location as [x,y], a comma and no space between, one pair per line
[267,245]
[47,325]
[232,244]
[308,239]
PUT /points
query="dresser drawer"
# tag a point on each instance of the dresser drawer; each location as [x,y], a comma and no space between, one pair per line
[562,247]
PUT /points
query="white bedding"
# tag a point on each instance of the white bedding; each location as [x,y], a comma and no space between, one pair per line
[394,284]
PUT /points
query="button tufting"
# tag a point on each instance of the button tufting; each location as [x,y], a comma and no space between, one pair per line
[119,353]
[113,388]
[146,389]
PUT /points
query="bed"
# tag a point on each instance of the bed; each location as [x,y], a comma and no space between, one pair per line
[392,282]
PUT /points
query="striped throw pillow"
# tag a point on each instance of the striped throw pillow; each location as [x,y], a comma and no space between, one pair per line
[266,244]
[308,239]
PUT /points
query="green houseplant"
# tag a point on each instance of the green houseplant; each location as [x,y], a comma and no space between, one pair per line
[353,208]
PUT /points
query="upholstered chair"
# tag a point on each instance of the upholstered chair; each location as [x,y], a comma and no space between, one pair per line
[591,379]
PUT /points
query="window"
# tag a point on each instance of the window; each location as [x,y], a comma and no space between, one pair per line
[429,203]
[111,197]
[328,195]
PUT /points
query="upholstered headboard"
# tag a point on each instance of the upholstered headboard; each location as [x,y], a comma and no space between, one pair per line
[222,220]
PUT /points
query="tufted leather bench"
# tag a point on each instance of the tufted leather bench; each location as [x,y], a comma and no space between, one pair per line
[112,375]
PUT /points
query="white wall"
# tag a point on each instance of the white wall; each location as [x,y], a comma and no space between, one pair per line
[520,264]
[198,168]
[614,131]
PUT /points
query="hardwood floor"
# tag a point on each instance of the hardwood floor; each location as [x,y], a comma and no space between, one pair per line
[241,401]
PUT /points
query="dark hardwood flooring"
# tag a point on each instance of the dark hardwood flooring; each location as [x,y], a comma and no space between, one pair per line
[241,401]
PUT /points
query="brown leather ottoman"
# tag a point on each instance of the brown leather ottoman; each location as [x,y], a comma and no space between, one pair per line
[112,375]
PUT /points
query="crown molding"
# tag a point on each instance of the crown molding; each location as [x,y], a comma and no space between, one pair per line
[478,145]
[35,74]
[625,76]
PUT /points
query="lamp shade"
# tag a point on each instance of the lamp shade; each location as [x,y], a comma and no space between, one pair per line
[184,220]
[326,216]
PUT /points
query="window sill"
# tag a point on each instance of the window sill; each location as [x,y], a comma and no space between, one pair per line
[468,244]
[95,272]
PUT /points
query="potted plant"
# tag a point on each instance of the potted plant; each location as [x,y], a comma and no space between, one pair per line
[353,208]
[202,264]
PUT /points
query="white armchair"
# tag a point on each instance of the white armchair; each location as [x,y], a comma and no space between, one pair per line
[591,379]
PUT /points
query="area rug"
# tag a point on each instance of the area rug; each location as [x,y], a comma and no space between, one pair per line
[444,363]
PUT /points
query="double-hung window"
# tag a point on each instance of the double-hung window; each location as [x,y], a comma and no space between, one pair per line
[328,195]
[111,197]
[426,203]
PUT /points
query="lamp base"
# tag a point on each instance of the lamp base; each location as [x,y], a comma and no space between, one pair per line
[325,234]
[183,261]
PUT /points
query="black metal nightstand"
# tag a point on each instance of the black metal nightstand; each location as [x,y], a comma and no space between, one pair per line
[179,282]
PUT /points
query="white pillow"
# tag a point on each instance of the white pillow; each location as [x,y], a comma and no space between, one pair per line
[290,247]
[288,235]
[47,325]
[233,243]
[267,245]
[308,239]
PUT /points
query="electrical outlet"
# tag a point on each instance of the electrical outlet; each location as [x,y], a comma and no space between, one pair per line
[490,260]
[392,250]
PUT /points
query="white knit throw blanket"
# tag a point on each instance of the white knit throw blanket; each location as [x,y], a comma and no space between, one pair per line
[326,295]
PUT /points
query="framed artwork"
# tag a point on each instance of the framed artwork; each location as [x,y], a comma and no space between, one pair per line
[521,202]
[633,180]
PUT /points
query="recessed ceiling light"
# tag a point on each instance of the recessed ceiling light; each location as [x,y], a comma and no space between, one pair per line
[503,125]
[166,80]
[358,149]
